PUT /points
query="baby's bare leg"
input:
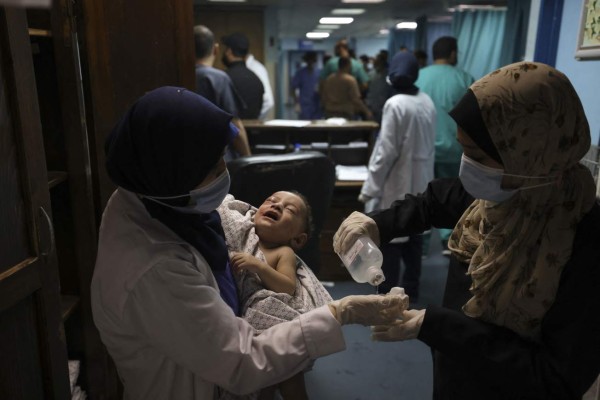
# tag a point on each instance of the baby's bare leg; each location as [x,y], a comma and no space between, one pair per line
[294,388]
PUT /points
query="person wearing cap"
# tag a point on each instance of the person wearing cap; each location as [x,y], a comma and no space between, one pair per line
[306,82]
[401,164]
[216,86]
[520,316]
[163,296]
[247,84]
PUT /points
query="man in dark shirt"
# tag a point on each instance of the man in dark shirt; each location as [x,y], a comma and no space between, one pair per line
[217,87]
[246,83]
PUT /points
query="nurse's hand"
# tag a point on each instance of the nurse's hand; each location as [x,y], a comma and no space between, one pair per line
[372,309]
[356,225]
[406,329]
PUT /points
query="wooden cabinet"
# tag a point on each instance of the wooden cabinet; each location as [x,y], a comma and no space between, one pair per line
[343,203]
[66,75]
[32,340]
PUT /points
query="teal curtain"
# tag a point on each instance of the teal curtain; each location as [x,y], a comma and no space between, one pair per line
[515,34]
[480,36]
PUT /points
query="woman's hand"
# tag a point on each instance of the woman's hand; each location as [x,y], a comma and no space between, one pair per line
[356,225]
[245,261]
[371,309]
[405,329]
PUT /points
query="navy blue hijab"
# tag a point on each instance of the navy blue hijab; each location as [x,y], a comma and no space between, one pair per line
[165,145]
[403,73]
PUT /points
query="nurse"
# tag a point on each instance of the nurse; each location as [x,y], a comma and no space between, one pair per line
[163,297]
[520,316]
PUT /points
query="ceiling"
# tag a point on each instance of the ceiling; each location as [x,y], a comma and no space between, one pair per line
[296,17]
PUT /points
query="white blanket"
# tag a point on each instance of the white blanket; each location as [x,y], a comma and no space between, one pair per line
[261,307]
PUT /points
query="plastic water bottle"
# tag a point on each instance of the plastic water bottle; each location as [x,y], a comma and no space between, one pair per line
[363,261]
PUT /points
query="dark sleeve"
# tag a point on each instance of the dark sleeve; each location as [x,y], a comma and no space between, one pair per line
[440,206]
[228,98]
[565,361]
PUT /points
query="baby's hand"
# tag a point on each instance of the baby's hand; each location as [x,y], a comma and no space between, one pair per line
[245,261]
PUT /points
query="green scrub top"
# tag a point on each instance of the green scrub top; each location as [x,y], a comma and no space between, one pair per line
[446,85]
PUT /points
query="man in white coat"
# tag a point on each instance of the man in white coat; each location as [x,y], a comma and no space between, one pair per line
[401,164]
[261,71]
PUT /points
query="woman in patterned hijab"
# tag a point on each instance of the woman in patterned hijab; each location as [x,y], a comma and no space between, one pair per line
[517,248]
[521,310]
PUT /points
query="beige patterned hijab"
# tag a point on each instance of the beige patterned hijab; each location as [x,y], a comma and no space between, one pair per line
[517,249]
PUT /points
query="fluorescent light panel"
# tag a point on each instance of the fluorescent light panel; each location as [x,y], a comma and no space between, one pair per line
[363,1]
[406,25]
[336,20]
[317,35]
[384,31]
[473,7]
[347,11]
[327,26]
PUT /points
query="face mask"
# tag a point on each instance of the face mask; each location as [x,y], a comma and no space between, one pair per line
[208,198]
[202,200]
[483,182]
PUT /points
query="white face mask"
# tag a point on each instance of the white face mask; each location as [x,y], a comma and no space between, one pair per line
[485,183]
[209,197]
[202,200]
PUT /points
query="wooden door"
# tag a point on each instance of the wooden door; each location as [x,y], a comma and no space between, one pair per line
[128,48]
[33,361]
[227,20]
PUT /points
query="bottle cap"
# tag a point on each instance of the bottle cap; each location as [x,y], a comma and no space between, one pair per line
[375,275]
[397,291]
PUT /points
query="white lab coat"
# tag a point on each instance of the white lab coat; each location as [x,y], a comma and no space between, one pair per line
[268,100]
[403,156]
[157,306]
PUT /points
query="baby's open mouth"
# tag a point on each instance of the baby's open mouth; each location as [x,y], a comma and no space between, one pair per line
[271,215]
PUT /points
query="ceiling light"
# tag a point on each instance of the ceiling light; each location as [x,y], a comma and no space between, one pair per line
[384,31]
[317,35]
[363,1]
[327,26]
[474,7]
[347,11]
[406,25]
[336,20]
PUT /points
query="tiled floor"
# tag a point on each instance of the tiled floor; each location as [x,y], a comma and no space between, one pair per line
[380,371]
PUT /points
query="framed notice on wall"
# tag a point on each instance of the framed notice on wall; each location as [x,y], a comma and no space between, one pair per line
[588,40]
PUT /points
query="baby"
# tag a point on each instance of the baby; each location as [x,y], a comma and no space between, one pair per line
[283,224]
